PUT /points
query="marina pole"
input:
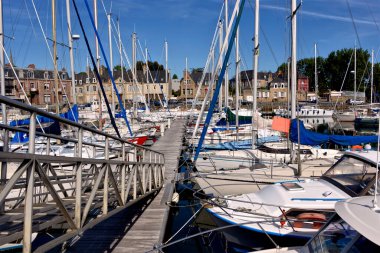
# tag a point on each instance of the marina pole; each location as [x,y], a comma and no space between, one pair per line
[237,83]
[294,60]
[98,64]
[147,71]
[186,80]
[316,73]
[3,106]
[55,56]
[220,30]
[355,75]
[371,76]
[226,81]
[121,62]
[255,66]
[111,60]
[71,51]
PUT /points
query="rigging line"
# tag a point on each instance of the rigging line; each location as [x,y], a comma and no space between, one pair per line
[154,80]
[373,17]
[123,112]
[265,38]
[344,79]
[52,58]
[237,11]
[353,22]
[96,70]
[30,19]
[18,81]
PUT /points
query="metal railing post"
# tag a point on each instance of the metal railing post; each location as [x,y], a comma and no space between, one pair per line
[155,169]
[150,170]
[78,182]
[28,209]
[48,146]
[105,182]
[143,173]
[123,173]
[159,179]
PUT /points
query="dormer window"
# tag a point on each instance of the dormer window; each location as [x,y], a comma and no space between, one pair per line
[46,75]
[6,73]
[275,86]
[63,76]
[93,80]
[76,81]
[80,81]
[30,74]
[87,80]
[282,85]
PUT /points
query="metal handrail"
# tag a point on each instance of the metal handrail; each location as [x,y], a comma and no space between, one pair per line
[32,109]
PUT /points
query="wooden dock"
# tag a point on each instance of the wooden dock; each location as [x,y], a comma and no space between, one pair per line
[142,226]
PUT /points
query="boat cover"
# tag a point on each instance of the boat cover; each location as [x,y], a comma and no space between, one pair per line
[312,138]
[231,119]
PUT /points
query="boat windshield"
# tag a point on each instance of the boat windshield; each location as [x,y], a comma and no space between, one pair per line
[352,174]
[338,236]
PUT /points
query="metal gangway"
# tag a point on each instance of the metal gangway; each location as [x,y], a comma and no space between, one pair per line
[41,191]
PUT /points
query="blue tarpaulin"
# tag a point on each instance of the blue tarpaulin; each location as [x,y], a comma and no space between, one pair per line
[308,137]
[20,137]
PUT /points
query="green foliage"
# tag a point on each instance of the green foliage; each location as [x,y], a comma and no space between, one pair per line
[153,66]
[175,76]
[118,68]
[331,70]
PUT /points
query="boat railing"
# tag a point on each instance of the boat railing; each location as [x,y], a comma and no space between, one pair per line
[45,191]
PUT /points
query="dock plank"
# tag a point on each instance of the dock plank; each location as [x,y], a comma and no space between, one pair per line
[142,226]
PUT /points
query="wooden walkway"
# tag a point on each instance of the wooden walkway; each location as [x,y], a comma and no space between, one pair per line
[142,226]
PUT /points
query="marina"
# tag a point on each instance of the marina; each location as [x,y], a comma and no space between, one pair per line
[149,138]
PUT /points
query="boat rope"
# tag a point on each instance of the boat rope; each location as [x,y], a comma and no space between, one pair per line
[239,11]
[96,69]
[123,112]
[344,79]
[52,58]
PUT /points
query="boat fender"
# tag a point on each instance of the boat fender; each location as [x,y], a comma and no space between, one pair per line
[317,218]
[175,198]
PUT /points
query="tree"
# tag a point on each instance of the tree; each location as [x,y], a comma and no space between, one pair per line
[175,76]
[118,68]
[153,66]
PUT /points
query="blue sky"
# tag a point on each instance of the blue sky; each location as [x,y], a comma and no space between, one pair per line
[188,26]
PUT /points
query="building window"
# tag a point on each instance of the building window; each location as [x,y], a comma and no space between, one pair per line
[282,85]
[80,82]
[30,74]
[275,94]
[94,88]
[88,88]
[87,80]
[275,86]
[284,93]
[63,76]
[6,73]
[46,86]
[47,99]
[93,80]
[46,75]
[80,90]
[76,81]
[32,85]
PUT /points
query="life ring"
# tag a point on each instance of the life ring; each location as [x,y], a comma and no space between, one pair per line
[316,218]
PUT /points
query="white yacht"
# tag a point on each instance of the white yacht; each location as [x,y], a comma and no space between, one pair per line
[292,212]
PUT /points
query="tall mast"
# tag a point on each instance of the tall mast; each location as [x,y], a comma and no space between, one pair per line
[220,26]
[121,59]
[111,60]
[134,71]
[186,80]
[256,57]
[147,72]
[355,75]
[3,106]
[294,59]
[226,23]
[237,82]
[371,76]
[69,32]
[316,72]
[166,62]
[98,63]
[55,56]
